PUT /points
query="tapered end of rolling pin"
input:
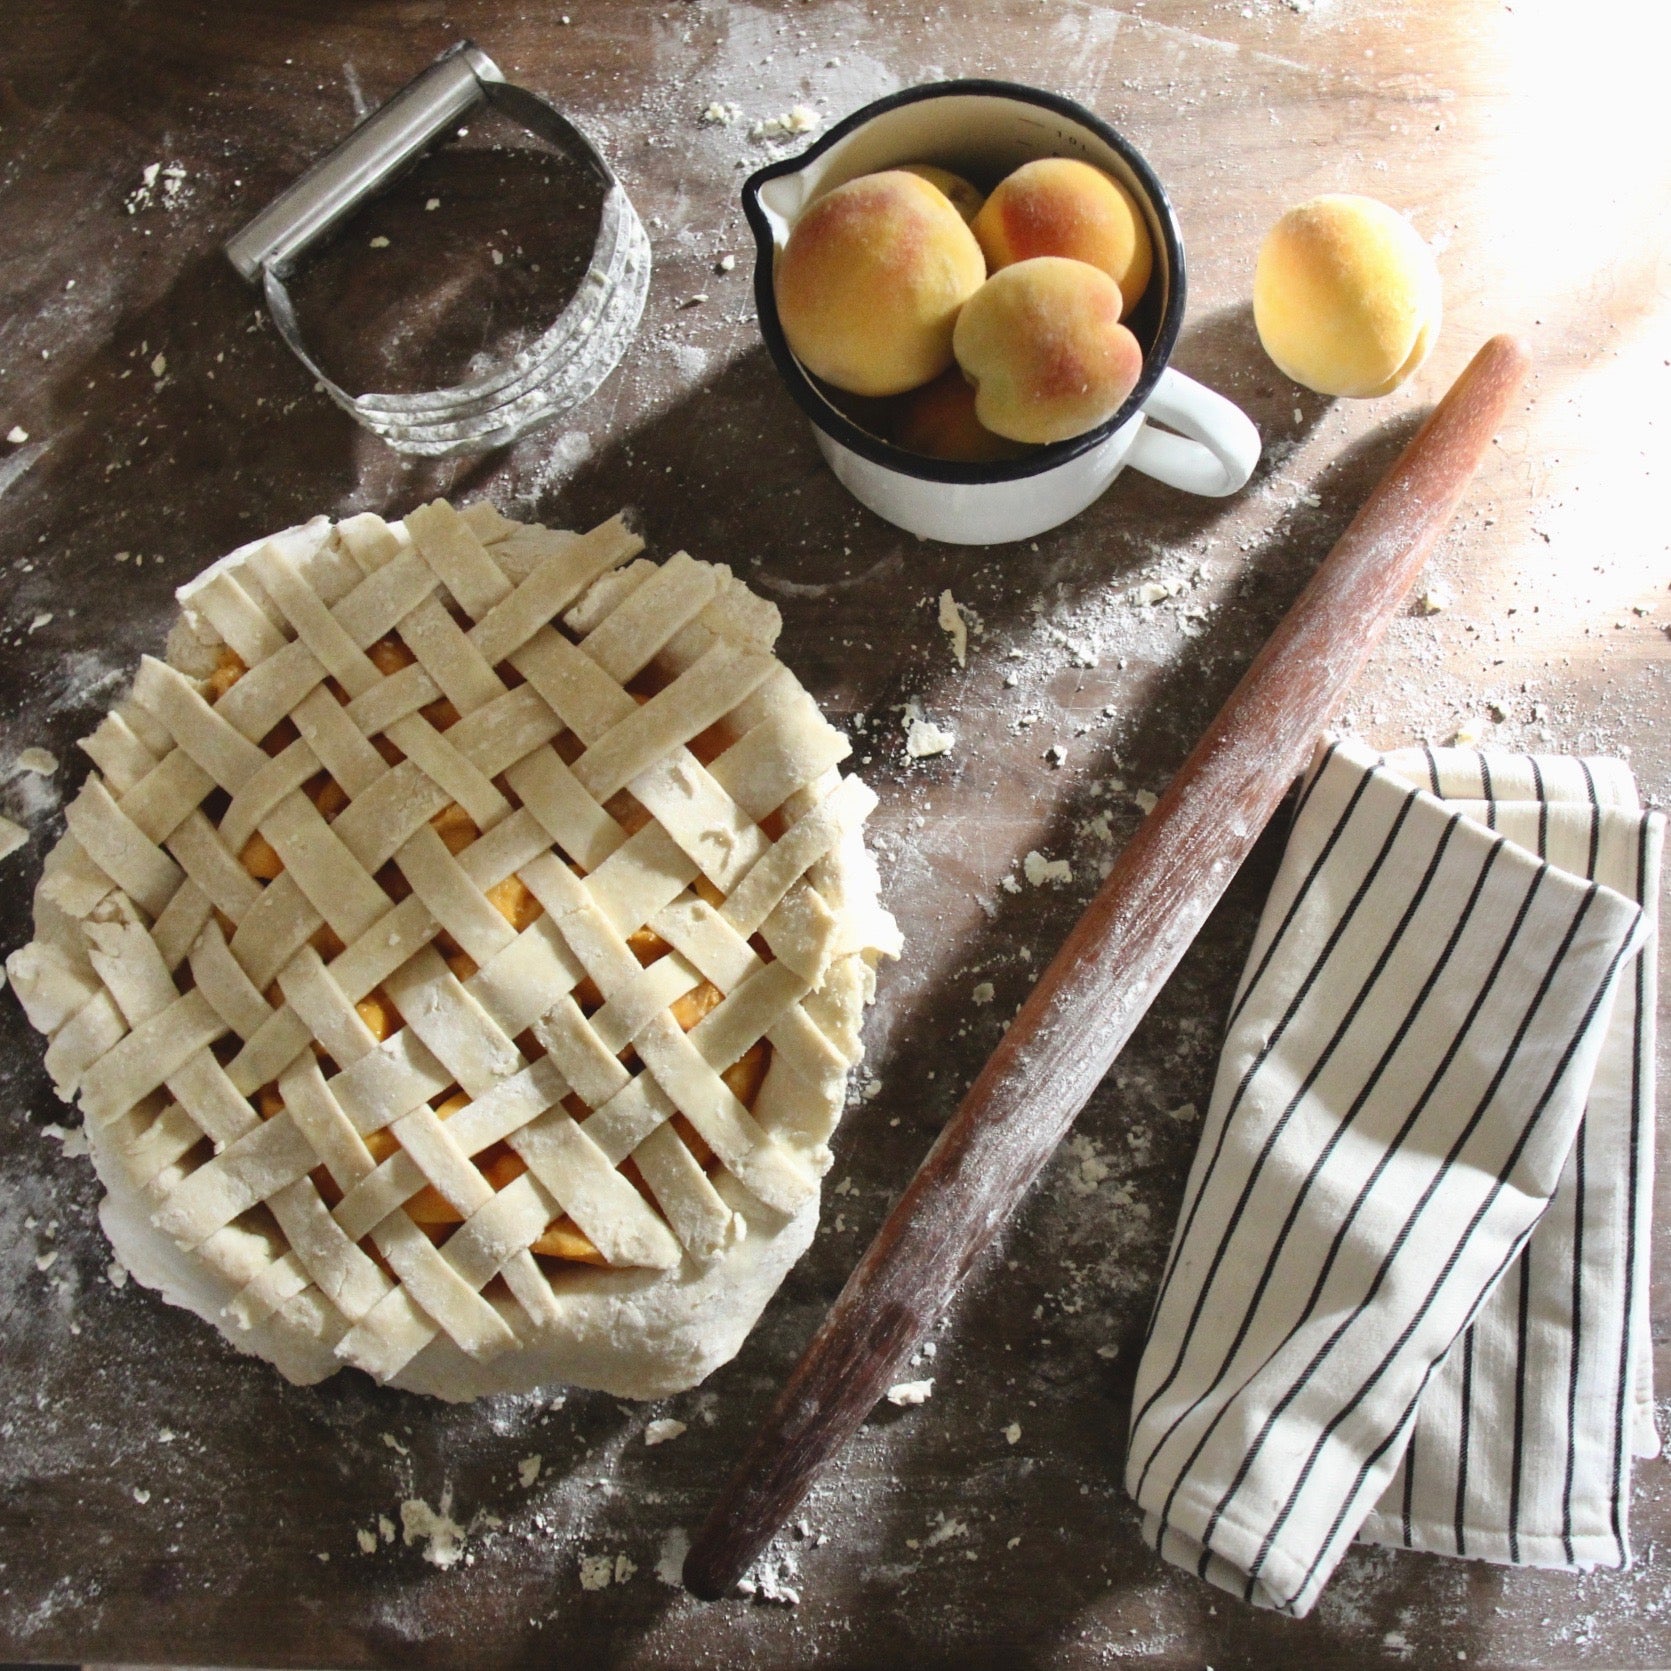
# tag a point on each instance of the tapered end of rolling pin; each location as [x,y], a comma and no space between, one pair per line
[988,1154]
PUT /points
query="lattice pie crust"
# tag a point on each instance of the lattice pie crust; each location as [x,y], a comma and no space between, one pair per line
[459,954]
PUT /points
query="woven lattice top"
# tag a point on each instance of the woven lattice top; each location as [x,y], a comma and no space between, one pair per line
[466,918]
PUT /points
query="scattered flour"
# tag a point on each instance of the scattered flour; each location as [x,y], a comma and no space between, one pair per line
[670,1560]
[442,1536]
[598,1572]
[953,623]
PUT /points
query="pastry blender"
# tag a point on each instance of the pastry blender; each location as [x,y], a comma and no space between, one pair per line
[553,374]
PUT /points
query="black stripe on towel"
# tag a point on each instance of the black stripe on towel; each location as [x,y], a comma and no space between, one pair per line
[1319,1062]
[1436,1078]
[1336,934]
[1504,1173]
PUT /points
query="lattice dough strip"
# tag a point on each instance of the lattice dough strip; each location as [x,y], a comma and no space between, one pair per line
[448,656]
[346,1275]
[746,1151]
[180,924]
[432,1283]
[557,581]
[433,1003]
[223,751]
[139,1063]
[81,1042]
[592,1070]
[603,1203]
[121,849]
[527,978]
[577,690]
[568,815]
[701,696]
[221,979]
[460,561]
[510,1105]
[627,640]
[791,747]
[646,872]
[747,1014]
[260,796]
[315,625]
[165,795]
[453,900]
[119,753]
[399,1074]
[698,1213]
[274,1153]
[325,1009]
[807,840]
[202,855]
[709,827]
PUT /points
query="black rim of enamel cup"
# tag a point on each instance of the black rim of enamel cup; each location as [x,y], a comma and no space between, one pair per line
[818,407]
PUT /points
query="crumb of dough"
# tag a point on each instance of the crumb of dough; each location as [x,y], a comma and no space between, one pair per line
[659,1432]
[528,1469]
[984,993]
[1145,800]
[41,761]
[1012,1433]
[925,738]
[953,623]
[904,1393]
[1040,870]
[367,1541]
[17,435]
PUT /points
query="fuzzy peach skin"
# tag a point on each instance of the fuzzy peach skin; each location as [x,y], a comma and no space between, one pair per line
[1346,296]
[963,195]
[1043,344]
[869,284]
[1056,206]
[938,420]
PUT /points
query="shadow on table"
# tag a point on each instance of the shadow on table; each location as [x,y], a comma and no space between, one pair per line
[231,441]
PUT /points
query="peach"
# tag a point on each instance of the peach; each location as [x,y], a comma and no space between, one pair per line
[1346,296]
[869,285]
[960,193]
[1056,206]
[939,421]
[1043,344]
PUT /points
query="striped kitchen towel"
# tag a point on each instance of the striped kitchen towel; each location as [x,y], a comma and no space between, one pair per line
[1407,1295]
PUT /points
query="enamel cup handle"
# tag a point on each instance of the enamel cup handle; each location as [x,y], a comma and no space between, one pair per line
[1215,447]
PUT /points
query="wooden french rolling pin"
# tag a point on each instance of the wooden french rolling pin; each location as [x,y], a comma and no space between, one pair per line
[1119,955]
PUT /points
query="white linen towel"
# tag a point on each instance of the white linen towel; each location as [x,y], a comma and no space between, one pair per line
[1407,1294]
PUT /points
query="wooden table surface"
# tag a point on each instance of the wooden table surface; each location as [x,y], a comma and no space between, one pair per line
[162,1499]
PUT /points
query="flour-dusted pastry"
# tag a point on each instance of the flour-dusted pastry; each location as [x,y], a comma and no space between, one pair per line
[459,954]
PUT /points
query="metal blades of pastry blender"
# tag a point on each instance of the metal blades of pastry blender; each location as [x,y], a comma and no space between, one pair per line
[552,375]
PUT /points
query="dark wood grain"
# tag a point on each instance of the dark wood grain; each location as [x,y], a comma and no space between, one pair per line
[1103,980]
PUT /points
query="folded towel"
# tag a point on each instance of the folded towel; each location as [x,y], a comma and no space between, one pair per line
[1407,1292]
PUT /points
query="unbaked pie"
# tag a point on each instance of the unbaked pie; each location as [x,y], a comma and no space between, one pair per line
[459,955]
